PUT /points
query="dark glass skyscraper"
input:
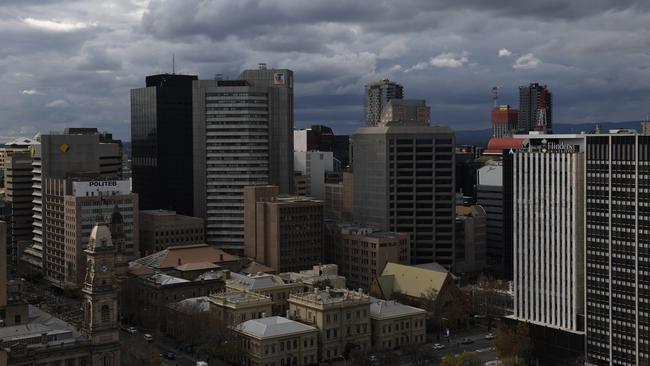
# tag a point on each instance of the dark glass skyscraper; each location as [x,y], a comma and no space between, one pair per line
[535,108]
[161,138]
[618,249]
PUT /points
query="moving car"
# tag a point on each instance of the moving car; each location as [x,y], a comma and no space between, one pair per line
[438,346]
[131,330]
[490,336]
[148,337]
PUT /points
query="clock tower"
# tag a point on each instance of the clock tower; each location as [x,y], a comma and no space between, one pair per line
[100,298]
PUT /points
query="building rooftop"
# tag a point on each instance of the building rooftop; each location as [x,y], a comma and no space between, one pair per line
[254,282]
[273,326]
[21,142]
[193,304]
[238,297]
[412,280]
[197,266]
[178,255]
[472,210]
[163,279]
[496,145]
[257,268]
[331,296]
[386,309]
[39,323]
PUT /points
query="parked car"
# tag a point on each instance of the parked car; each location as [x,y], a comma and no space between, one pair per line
[438,346]
[490,336]
[148,337]
[372,359]
[169,355]
[466,341]
[131,330]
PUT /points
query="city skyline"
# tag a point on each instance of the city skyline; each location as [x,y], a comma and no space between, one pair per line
[71,64]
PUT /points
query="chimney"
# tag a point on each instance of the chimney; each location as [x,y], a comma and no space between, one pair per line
[220,257]
[288,317]
[263,315]
[179,261]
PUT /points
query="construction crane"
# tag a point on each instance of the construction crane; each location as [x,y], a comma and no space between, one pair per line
[495,94]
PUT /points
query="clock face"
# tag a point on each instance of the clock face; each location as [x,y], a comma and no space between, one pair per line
[104,268]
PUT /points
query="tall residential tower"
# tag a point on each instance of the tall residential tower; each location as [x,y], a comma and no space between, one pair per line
[378,94]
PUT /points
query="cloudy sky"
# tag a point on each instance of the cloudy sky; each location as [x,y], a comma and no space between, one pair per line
[72,62]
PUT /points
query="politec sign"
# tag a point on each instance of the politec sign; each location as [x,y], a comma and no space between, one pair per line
[101,187]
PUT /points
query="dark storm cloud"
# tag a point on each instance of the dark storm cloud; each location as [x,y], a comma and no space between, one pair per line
[73,62]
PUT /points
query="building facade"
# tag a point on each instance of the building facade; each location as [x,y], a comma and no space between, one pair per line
[471,233]
[342,318]
[396,325]
[18,194]
[242,137]
[405,110]
[404,182]
[284,233]
[86,201]
[361,253]
[234,307]
[277,341]
[161,142]
[322,138]
[160,229]
[272,286]
[314,165]
[618,249]
[378,94]
[76,151]
[548,182]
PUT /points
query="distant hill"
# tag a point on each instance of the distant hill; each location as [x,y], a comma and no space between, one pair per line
[481,137]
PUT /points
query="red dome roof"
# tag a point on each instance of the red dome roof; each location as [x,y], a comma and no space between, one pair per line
[498,144]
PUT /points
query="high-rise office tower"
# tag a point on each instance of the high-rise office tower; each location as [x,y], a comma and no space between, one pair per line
[18,191]
[535,109]
[504,120]
[243,136]
[548,238]
[618,249]
[76,151]
[404,182]
[161,143]
[378,94]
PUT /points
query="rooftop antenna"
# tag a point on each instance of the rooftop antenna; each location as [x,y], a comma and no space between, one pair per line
[495,94]
[173,64]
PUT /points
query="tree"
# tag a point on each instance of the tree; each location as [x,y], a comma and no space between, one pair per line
[513,342]
[465,359]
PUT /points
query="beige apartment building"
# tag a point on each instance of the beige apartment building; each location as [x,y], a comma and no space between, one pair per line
[395,325]
[341,316]
[282,232]
[362,252]
[277,341]
[268,285]
[234,307]
[160,229]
